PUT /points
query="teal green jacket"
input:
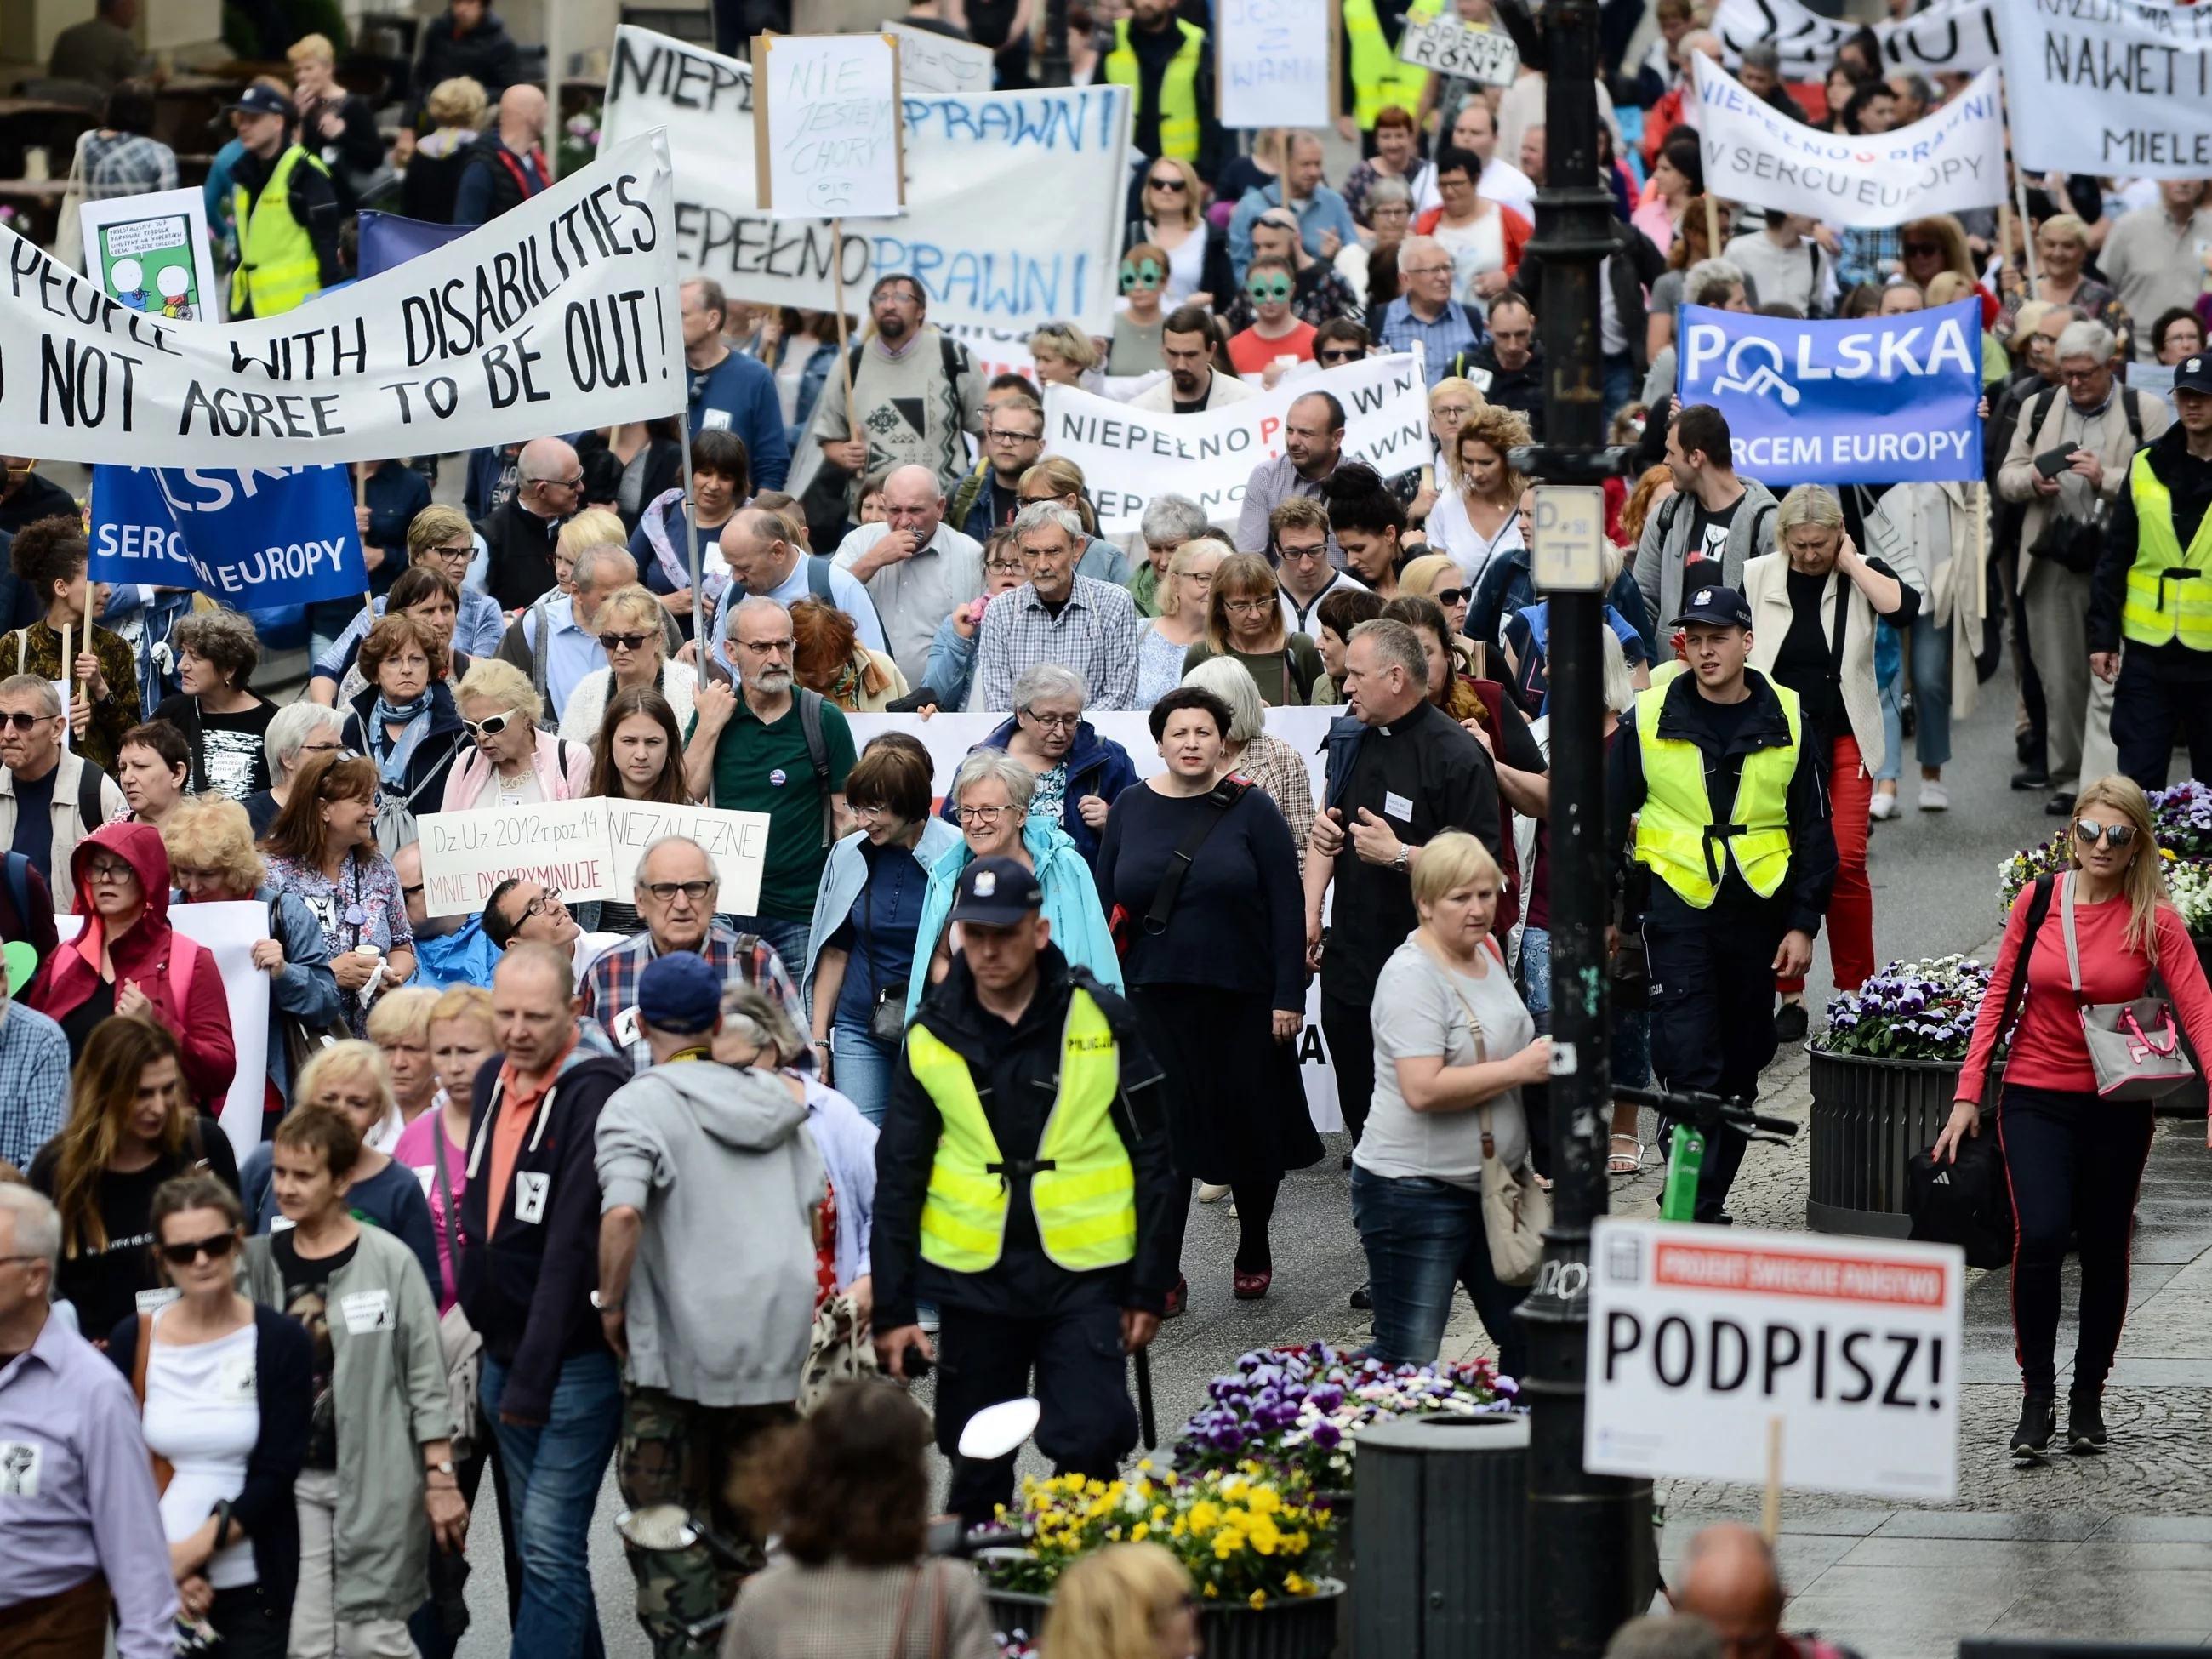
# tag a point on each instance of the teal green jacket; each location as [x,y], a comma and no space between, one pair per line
[1071,905]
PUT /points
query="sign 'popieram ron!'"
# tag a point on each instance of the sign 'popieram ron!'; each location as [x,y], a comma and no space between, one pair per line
[1702,1337]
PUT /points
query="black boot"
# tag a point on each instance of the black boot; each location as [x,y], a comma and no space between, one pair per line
[2039,1421]
[2085,1421]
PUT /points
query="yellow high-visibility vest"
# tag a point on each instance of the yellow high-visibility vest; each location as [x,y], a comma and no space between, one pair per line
[277,269]
[1378,78]
[2169,591]
[1082,1189]
[1675,831]
[1178,87]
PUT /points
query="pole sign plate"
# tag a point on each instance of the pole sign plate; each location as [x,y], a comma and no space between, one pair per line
[1699,1337]
[1569,552]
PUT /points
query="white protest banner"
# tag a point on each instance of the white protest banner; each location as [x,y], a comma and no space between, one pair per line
[826,134]
[1271,63]
[565,844]
[2109,86]
[1014,201]
[559,315]
[151,253]
[1700,1338]
[1128,457]
[735,842]
[1449,46]
[230,931]
[1947,161]
[1957,35]
[930,62]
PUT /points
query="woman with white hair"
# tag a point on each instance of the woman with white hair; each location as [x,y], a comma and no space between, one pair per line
[513,762]
[1813,601]
[1077,772]
[297,732]
[1180,623]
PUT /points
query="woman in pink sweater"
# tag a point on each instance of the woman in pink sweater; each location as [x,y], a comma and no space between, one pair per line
[2075,1160]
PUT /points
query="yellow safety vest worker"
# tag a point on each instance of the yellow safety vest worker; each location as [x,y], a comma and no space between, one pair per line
[277,269]
[1675,835]
[1378,78]
[2169,591]
[1082,1189]
[1178,87]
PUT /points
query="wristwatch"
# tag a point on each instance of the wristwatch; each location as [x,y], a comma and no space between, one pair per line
[603,1305]
[1404,861]
[445,1466]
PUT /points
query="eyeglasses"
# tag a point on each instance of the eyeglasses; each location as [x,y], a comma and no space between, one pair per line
[1002,437]
[1174,184]
[666,892]
[1247,607]
[982,814]
[462,550]
[1423,270]
[1318,551]
[2116,836]
[493,724]
[1007,568]
[1346,354]
[611,643]
[870,814]
[106,872]
[1053,722]
[546,901]
[577,483]
[1264,288]
[23,722]
[769,647]
[184,1254]
[322,748]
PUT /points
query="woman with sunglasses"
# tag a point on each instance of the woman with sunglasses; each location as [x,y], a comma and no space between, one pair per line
[2076,1160]
[1244,620]
[405,722]
[1173,219]
[226,1393]
[1137,327]
[630,627]
[513,762]
[1436,576]
[323,848]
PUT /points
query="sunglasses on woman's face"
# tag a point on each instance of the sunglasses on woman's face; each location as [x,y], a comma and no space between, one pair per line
[185,1252]
[1343,355]
[1262,289]
[2116,836]
[610,642]
[1144,274]
[491,726]
[1172,182]
[1449,595]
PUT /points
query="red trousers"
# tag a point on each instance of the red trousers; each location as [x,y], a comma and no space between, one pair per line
[1851,912]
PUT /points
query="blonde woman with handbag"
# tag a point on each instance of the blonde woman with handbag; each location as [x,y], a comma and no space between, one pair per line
[1441,1191]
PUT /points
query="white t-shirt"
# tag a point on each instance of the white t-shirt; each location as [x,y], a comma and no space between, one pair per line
[204,1414]
[1417,1010]
[1474,248]
[1450,531]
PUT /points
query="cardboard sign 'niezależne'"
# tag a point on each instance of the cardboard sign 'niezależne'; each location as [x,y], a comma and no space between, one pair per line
[589,849]
[827,122]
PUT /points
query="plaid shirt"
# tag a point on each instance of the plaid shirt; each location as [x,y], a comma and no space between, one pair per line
[1869,256]
[610,983]
[35,1080]
[1096,634]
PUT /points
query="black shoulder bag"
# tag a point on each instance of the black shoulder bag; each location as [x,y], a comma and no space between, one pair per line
[1121,925]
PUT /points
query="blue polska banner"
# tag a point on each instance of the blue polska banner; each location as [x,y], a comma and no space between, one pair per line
[254,538]
[1874,400]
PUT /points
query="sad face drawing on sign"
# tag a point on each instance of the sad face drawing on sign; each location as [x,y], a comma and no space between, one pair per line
[831,114]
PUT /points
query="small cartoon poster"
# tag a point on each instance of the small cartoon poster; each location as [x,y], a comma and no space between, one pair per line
[151,253]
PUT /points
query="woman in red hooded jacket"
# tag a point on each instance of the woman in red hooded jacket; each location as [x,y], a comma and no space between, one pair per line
[129,960]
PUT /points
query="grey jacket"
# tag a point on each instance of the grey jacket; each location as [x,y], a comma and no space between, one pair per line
[723,1168]
[1665,546]
[388,1386]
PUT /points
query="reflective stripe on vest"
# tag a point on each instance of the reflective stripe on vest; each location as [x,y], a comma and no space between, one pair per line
[2169,591]
[1675,835]
[1378,77]
[1178,87]
[1082,1189]
[277,269]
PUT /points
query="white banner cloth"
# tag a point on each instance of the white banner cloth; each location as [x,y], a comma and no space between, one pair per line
[1753,153]
[560,314]
[2109,86]
[1014,201]
[1950,34]
[1129,456]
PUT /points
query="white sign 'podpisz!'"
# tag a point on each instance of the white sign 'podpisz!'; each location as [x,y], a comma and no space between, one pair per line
[1700,1336]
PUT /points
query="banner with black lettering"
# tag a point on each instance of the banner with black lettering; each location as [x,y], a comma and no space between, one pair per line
[2109,86]
[558,315]
[1957,35]
[1129,455]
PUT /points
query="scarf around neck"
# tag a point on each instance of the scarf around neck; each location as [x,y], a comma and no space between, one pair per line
[395,753]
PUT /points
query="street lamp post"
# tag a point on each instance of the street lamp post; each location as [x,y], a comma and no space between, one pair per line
[1054,69]
[1592,1558]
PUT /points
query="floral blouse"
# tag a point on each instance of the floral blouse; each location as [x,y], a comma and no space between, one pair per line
[363,906]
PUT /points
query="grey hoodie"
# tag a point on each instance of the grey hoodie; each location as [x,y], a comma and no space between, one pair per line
[1665,546]
[724,1169]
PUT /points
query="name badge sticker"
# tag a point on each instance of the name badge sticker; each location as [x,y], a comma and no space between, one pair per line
[530,1190]
[1397,806]
[365,1311]
[234,1380]
[625,1028]
[18,1467]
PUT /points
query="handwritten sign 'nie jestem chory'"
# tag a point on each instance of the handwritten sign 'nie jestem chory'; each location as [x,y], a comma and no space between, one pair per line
[828,122]
[563,844]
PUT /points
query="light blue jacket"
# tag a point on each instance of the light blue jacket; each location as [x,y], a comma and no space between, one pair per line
[1324,210]
[1071,905]
[847,874]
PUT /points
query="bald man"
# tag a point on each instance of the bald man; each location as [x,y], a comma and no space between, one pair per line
[1727,1578]
[917,567]
[519,537]
[766,564]
[508,167]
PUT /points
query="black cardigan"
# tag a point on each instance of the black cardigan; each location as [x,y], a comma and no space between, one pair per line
[284,1385]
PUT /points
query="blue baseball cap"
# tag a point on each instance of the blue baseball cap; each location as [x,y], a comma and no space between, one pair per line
[264,100]
[1723,606]
[996,892]
[679,993]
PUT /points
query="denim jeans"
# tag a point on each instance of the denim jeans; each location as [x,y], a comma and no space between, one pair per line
[788,939]
[553,1476]
[1536,976]
[1422,1236]
[1889,680]
[860,1069]
[1931,691]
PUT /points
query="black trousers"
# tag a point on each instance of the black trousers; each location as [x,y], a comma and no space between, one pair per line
[1081,1377]
[1351,1037]
[2151,709]
[2074,1163]
[1712,1028]
[1255,1209]
[251,1626]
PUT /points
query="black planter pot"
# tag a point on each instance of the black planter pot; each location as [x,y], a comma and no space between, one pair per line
[1869,1117]
[1301,1628]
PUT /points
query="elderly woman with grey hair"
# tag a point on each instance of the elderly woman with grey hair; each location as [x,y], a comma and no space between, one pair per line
[1078,774]
[991,798]
[1169,521]
[1813,601]
[224,723]
[297,734]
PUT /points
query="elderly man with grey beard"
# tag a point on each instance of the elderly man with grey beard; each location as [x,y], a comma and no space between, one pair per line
[1057,617]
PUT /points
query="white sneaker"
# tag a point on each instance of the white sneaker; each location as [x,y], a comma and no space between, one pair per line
[1882,807]
[1211,1192]
[1934,798]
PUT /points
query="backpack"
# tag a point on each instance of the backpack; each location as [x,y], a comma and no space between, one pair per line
[819,566]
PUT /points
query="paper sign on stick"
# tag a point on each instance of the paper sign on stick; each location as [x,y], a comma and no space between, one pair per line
[735,842]
[1272,63]
[934,63]
[827,126]
[1449,46]
[151,253]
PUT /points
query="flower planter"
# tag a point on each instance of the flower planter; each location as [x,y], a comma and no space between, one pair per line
[1869,1118]
[1300,1627]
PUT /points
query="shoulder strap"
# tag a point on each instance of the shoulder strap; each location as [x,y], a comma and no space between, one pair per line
[2073,948]
[538,651]
[195,1136]
[818,755]
[88,807]
[2038,411]
[1221,798]
[2131,406]
[954,367]
[17,869]
[138,1359]
[2039,907]
[818,577]
[1751,544]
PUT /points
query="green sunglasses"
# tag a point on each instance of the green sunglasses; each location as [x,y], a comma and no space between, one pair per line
[1144,274]
[1269,288]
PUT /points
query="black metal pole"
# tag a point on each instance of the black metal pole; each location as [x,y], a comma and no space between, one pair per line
[1053,68]
[1592,1557]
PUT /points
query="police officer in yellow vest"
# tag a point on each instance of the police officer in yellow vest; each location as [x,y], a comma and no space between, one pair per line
[1023,1185]
[286,209]
[1372,71]
[1167,62]
[1730,813]
[2152,588]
